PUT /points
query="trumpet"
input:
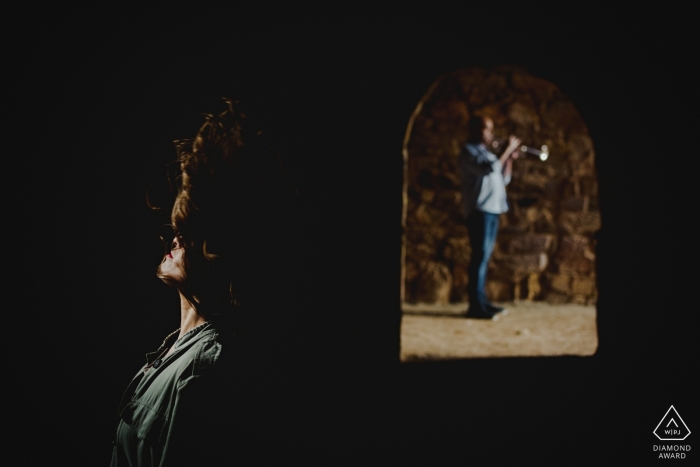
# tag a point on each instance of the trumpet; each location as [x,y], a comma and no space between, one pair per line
[542,153]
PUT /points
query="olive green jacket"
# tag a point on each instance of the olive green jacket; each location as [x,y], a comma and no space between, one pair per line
[174,411]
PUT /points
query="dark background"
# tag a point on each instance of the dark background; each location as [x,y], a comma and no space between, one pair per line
[104,92]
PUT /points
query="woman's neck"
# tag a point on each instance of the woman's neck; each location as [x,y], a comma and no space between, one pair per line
[189,318]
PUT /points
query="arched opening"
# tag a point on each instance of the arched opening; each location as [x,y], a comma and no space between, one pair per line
[543,264]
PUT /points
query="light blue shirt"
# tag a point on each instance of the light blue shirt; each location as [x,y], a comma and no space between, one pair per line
[483,184]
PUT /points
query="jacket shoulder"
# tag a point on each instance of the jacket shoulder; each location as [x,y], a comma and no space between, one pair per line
[207,354]
[213,351]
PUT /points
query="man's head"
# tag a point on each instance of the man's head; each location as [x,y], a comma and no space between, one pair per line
[480,130]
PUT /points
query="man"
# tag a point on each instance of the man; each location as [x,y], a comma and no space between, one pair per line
[484,180]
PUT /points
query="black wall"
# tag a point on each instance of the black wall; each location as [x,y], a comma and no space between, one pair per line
[107,91]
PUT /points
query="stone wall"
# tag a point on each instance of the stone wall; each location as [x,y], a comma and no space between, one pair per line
[545,246]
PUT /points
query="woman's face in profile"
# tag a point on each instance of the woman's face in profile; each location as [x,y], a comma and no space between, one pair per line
[487,131]
[173,265]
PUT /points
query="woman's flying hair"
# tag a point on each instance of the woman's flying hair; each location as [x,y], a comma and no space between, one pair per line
[229,210]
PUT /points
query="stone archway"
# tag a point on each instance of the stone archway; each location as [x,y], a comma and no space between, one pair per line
[545,248]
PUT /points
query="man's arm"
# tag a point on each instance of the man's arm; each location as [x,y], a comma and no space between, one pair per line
[509,155]
[508,168]
[513,145]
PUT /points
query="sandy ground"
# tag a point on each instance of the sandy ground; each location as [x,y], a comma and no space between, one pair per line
[529,329]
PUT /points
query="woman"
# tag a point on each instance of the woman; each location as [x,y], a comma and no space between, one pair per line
[179,408]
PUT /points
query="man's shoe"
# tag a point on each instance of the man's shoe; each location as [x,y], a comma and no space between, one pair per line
[493,309]
[476,313]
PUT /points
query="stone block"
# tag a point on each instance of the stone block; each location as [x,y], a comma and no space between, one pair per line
[460,230]
[530,243]
[579,146]
[572,245]
[418,252]
[460,278]
[560,283]
[499,291]
[520,265]
[523,114]
[589,186]
[450,181]
[434,284]
[552,188]
[534,179]
[420,216]
[448,199]
[426,215]
[424,177]
[545,222]
[580,222]
[457,111]
[457,250]
[437,233]
[427,196]
[573,204]
[429,235]
[584,286]
[574,255]
[582,168]
[580,265]
[531,214]
[556,297]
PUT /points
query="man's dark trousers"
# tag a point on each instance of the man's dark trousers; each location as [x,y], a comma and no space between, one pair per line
[483,227]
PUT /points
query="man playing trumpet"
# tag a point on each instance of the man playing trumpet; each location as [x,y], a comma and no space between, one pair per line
[484,180]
